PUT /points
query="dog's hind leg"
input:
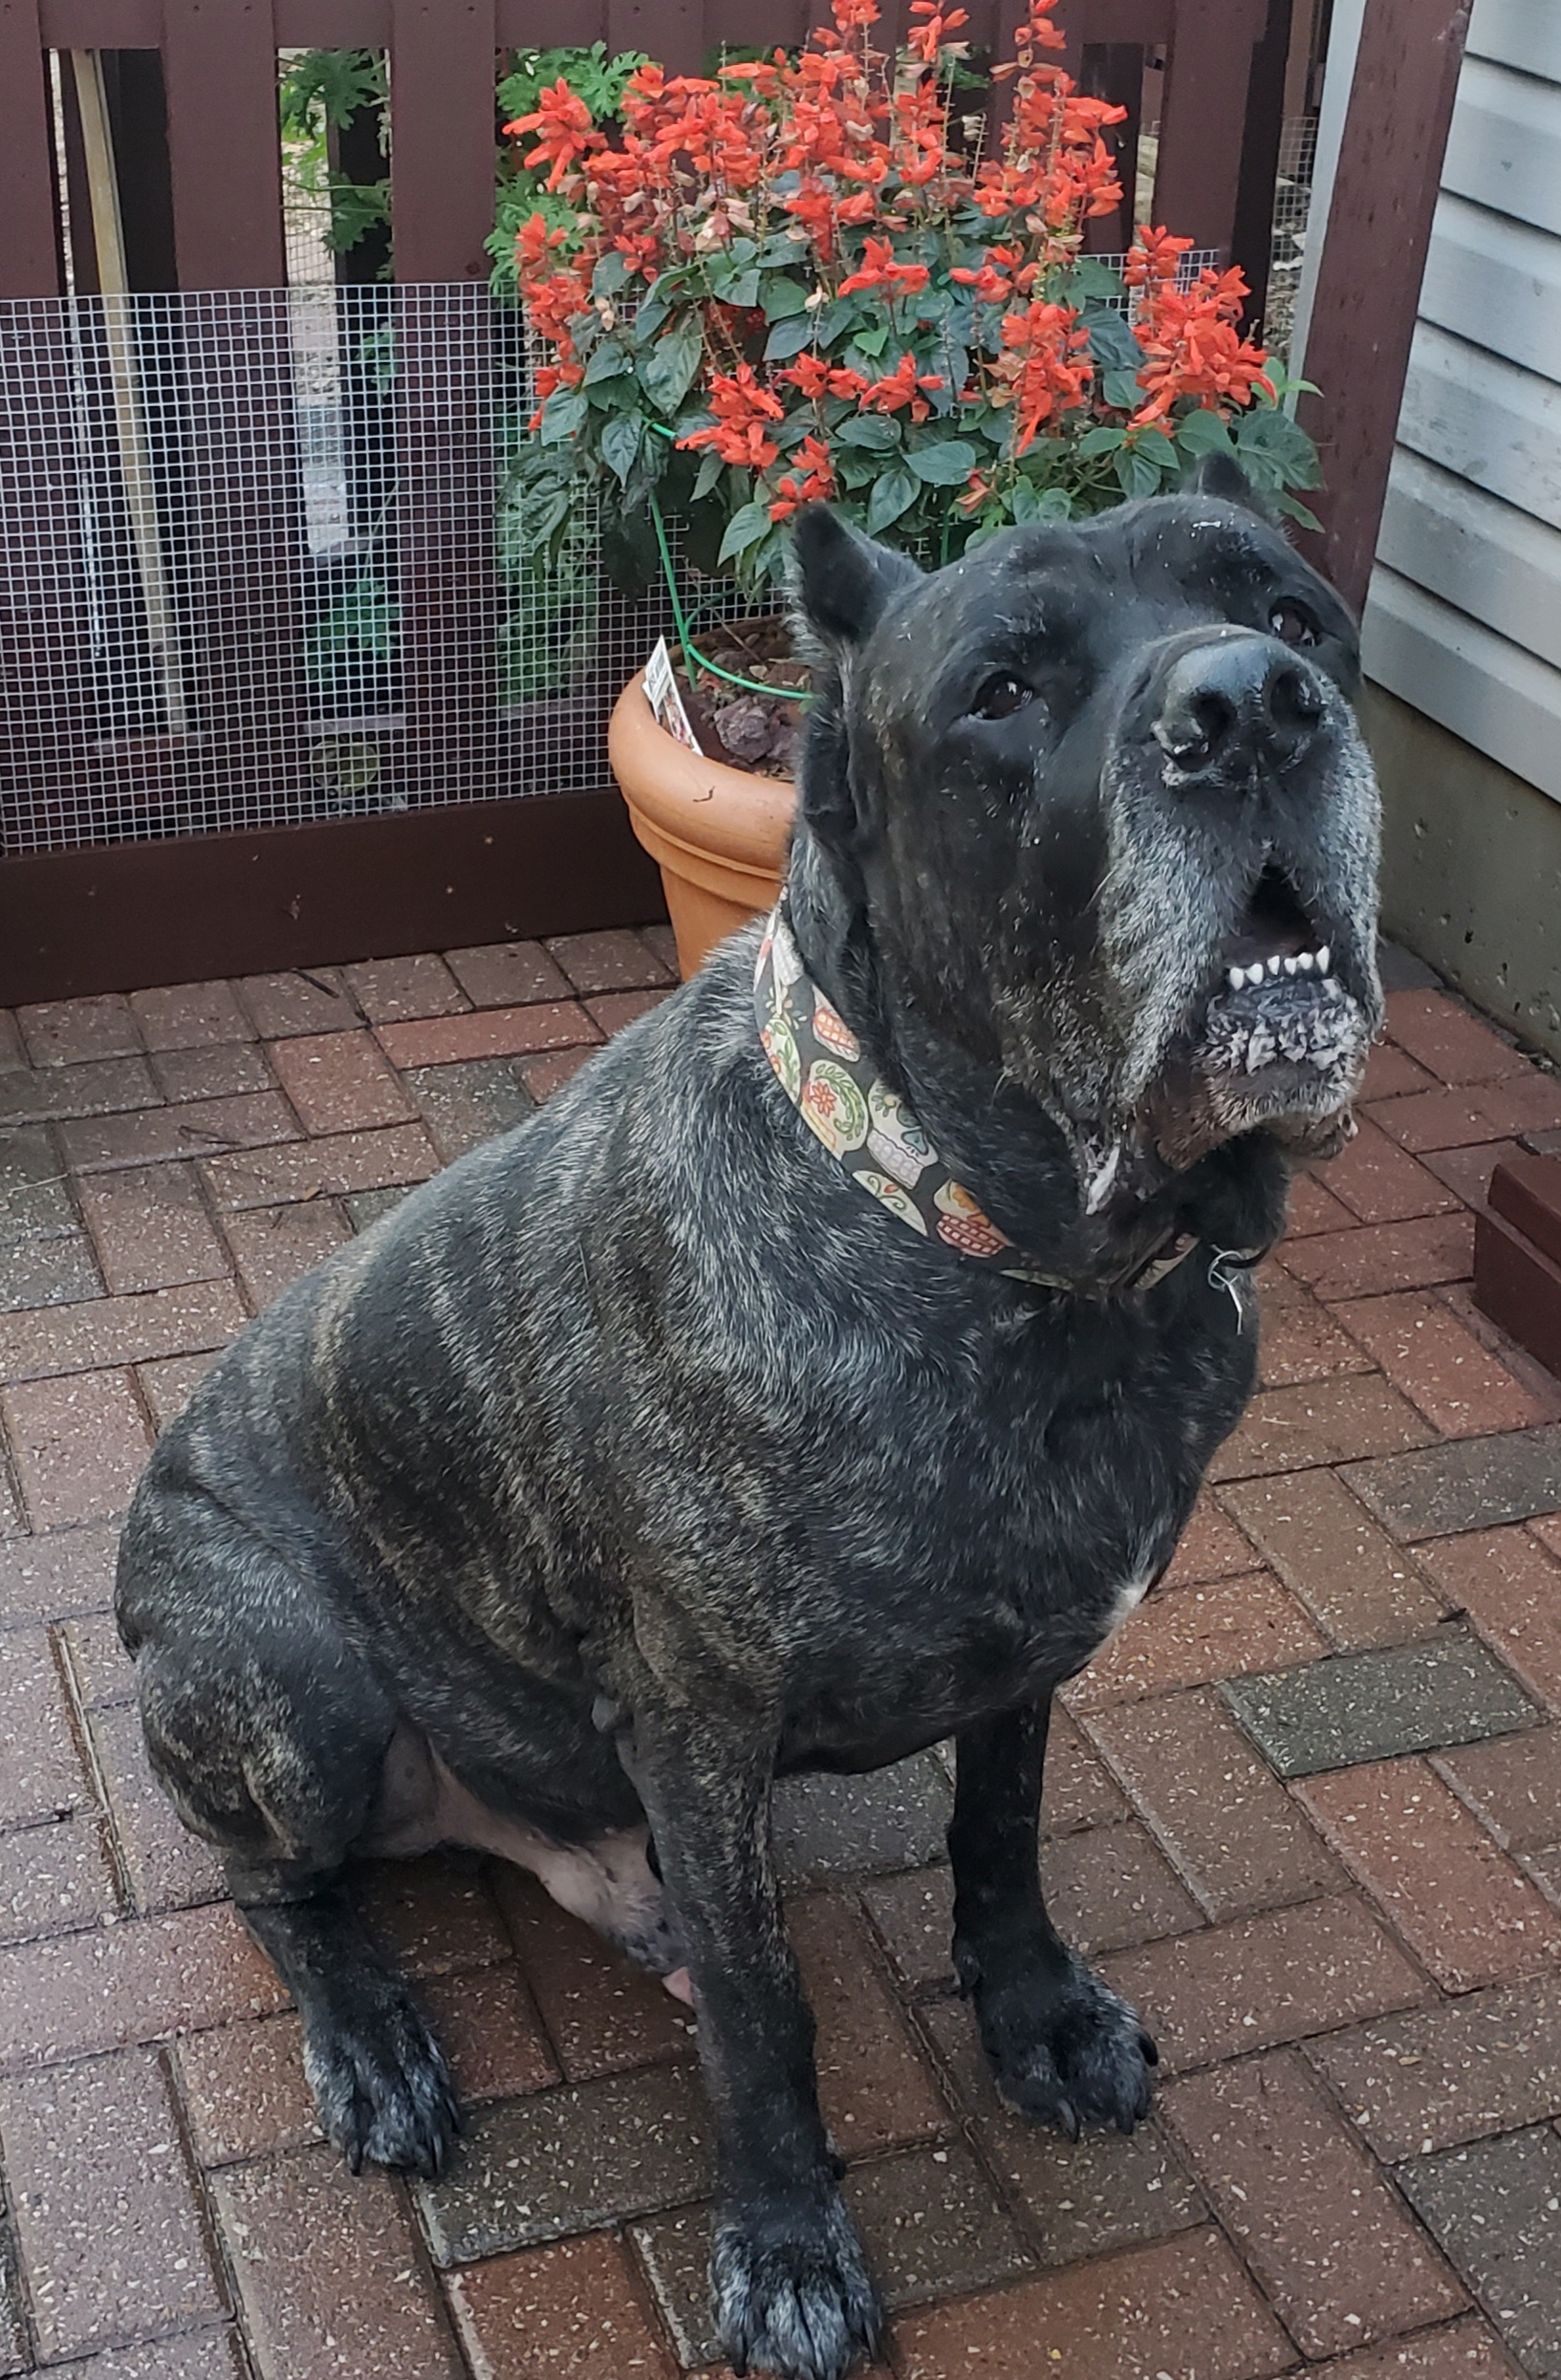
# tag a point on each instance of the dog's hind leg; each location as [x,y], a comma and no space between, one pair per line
[1063,2047]
[269,1734]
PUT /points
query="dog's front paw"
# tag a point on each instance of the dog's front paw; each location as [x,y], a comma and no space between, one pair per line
[384,2092]
[794,2296]
[1068,2053]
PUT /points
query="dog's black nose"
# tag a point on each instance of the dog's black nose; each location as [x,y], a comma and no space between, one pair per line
[1238,700]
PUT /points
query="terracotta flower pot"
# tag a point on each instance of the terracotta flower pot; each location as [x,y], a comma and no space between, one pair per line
[718,834]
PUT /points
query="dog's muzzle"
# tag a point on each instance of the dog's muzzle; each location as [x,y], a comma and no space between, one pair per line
[1236,707]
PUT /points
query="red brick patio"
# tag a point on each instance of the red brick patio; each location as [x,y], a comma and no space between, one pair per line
[1306,1810]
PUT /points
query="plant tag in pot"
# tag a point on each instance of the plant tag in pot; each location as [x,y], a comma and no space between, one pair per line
[664,700]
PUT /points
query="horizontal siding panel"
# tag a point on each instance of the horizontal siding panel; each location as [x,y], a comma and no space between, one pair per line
[1496,426]
[1525,34]
[1475,551]
[1504,149]
[1480,687]
[1495,282]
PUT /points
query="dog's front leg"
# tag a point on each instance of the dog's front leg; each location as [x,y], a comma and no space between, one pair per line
[1063,2047]
[789,2282]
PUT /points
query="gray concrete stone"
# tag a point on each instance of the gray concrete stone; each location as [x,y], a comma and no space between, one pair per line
[1376,1704]
[570,2161]
[1496,2209]
[828,1826]
[468,1103]
[1478,1482]
[930,2222]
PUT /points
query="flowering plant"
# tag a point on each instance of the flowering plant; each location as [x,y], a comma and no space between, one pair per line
[792,281]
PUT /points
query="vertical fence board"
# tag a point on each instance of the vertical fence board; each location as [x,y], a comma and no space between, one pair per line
[672,32]
[1251,238]
[1199,168]
[46,721]
[243,533]
[441,138]
[1373,260]
[445,507]
[223,151]
[28,251]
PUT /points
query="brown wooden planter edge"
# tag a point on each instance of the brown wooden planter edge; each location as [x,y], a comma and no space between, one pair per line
[1517,1245]
[124,916]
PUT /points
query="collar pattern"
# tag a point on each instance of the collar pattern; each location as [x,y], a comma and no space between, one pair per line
[871,1130]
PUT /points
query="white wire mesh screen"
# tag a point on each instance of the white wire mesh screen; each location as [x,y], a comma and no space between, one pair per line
[254,567]
[260,564]
[1291,211]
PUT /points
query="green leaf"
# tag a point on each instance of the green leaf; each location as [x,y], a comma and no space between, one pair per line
[648,319]
[1138,475]
[710,468]
[668,372]
[611,272]
[783,297]
[1203,433]
[893,494]
[1102,440]
[835,318]
[1121,389]
[1157,446]
[608,363]
[1111,342]
[1294,511]
[744,528]
[620,445]
[948,464]
[742,290]
[564,415]
[877,432]
[873,342]
[1089,277]
[788,338]
[1272,434]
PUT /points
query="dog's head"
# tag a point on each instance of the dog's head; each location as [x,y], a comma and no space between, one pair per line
[1090,804]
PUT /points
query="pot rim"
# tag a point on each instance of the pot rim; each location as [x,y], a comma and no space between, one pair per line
[705,803]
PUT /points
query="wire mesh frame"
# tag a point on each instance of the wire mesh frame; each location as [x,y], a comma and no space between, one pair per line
[260,565]
[256,567]
[1292,216]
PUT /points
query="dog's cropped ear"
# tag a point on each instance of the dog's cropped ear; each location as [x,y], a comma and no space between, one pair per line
[1221,475]
[844,582]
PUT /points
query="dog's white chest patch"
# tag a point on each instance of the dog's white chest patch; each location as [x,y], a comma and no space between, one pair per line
[1128,1595]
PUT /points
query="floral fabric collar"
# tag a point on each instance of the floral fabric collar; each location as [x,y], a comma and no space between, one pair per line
[829,1080]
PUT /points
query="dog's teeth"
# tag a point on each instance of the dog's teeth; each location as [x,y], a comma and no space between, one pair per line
[1306,962]
[1325,958]
[1274,966]
[1290,966]
[1235,977]
[1254,975]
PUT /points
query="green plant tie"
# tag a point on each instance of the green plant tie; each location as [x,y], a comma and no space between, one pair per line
[691,650]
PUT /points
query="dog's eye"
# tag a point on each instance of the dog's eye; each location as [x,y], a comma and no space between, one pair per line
[1292,625]
[1001,697]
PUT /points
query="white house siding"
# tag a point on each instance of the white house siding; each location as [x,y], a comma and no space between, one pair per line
[1463,620]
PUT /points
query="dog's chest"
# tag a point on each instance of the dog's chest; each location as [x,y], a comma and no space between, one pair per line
[988,1560]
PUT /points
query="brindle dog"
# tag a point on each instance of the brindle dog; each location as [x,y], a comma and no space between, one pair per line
[643,1457]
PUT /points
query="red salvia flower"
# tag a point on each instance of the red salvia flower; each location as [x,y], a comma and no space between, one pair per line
[810,480]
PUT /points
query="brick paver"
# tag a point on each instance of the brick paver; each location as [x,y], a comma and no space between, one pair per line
[1426,1861]
[1304,1811]
[1487,2063]
[1327,2236]
[112,2241]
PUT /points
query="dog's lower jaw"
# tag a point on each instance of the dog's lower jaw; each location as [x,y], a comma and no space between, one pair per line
[790,2291]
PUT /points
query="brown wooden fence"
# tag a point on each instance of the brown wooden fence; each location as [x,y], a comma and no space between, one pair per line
[133,903]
